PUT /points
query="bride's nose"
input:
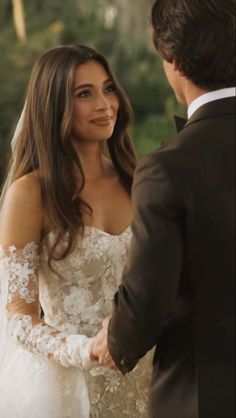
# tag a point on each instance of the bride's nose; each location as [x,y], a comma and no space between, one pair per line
[101,102]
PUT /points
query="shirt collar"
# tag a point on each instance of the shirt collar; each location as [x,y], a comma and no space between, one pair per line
[210,97]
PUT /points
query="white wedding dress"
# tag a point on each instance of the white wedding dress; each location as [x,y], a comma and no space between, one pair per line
[45,369]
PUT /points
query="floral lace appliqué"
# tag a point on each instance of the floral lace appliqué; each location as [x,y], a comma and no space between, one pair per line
[22,265]
[19,274]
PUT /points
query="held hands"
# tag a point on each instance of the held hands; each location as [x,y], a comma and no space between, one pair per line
[99,348]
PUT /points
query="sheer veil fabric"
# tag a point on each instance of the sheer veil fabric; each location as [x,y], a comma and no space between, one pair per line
[13,147]
[17,130]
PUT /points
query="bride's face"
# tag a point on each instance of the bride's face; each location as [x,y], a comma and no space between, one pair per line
[95,103]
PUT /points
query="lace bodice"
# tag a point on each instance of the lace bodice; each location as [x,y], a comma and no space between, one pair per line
[80,298]
[75,297]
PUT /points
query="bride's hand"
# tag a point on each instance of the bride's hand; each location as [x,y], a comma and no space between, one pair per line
[99,349]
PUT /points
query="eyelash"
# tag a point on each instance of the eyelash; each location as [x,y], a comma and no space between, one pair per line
[87,93]
[112,88]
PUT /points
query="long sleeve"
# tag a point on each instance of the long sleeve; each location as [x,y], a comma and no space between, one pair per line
[20,297]
[148,294]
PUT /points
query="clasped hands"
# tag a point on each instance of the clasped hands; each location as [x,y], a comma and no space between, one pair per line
[99,348]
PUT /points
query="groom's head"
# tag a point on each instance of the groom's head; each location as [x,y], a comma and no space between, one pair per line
[197,38]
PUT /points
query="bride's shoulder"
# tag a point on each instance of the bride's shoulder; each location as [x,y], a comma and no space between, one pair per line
[21,215]
[25,189]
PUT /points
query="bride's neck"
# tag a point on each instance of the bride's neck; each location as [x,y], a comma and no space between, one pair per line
[92,160]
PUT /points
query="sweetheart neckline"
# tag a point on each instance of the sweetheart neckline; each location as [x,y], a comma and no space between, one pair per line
[107,233]
[101,231]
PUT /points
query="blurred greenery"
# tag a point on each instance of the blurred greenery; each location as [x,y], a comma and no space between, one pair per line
[117,28]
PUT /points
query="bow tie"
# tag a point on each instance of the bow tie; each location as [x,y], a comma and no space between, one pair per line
[179,123]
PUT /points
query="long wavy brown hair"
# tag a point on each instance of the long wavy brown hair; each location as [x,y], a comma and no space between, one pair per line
[44,145]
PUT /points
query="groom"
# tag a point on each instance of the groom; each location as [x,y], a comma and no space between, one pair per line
[178,290]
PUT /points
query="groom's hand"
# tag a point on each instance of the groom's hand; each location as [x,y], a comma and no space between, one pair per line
[100,349]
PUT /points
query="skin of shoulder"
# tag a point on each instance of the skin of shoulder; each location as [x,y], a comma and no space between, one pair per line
[21,217]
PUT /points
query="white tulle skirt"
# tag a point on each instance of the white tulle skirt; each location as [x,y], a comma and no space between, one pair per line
[35,387]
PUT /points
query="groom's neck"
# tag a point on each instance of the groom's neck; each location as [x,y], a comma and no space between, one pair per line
[191,92]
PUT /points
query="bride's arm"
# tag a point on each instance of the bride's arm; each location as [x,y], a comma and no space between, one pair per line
[21,221]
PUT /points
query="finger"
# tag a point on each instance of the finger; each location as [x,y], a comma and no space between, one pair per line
[93,357]
[107,360]
[111,365]
[114,366]
[105,322]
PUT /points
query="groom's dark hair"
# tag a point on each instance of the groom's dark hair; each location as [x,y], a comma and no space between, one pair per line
[200,35]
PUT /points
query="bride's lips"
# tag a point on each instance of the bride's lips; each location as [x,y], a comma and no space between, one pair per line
[103,121]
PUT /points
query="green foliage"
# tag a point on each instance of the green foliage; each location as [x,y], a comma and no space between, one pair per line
[152,133]
[127,47]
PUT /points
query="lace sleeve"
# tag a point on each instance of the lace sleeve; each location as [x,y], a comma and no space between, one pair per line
[19,277]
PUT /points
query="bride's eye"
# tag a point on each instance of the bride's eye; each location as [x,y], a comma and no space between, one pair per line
[84,94]
[111,88]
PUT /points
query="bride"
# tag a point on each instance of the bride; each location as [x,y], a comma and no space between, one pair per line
[64,240]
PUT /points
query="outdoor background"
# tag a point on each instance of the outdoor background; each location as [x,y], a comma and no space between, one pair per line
[120,29]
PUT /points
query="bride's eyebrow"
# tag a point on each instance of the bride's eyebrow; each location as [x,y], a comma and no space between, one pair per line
[108,80]
[83,86]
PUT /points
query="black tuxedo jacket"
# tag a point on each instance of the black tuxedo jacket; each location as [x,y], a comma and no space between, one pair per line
[178,289]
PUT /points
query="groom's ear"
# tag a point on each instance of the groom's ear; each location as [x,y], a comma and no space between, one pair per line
[176,64]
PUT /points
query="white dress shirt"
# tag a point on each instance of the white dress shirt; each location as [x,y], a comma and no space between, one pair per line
[210,97]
